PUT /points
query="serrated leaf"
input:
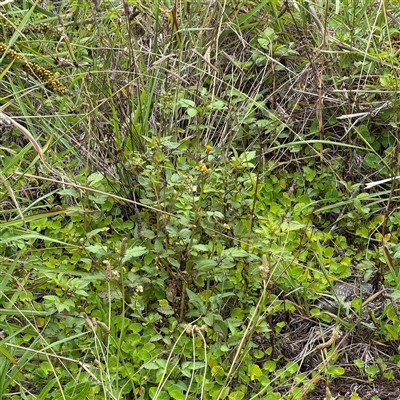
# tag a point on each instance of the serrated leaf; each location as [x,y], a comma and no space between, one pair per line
[205,265]
[165,310]
[134,252]
[95,178]
[185,233]
[247,156]
[232,252]
[201,247]
[97,249]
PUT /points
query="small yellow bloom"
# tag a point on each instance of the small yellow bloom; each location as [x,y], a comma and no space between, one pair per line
[204,168]
[197,167]
[208,147]
[139,288]
[227,226]
[105,229]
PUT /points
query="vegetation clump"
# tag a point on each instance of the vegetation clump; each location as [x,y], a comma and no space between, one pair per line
[171,225]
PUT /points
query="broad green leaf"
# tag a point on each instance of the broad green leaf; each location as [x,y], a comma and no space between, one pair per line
[255,372]
[205,265]
[196,301]
[134,252]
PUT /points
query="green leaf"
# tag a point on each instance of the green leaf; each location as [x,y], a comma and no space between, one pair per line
[187,103]
[219,326]
[137,251]
[45,391]
[176,392]
[196,301]
[151,365]
[97,249]
[94,178]
[273,396]
[255,372]
[264,43]
[393,332]
[372,370]
[160,395]
[39,224]
[234,252]
[193,365]
[201,248]
[205,265]
[185,233]
[236,396]
[292,367]
[372,160]
[248,156]
[359,363]
[288,226]
[309,173]
[191,112]
[69,192]
[336,371]
[270,365]
[166,310]
[78,391]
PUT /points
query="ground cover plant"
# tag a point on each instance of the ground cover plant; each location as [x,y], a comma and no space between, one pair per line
[182,186]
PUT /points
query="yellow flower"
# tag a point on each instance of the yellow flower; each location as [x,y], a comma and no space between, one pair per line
[208,147]
[204,168]
[139,288]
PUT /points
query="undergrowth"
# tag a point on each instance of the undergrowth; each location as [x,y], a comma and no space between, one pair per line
[181,184]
